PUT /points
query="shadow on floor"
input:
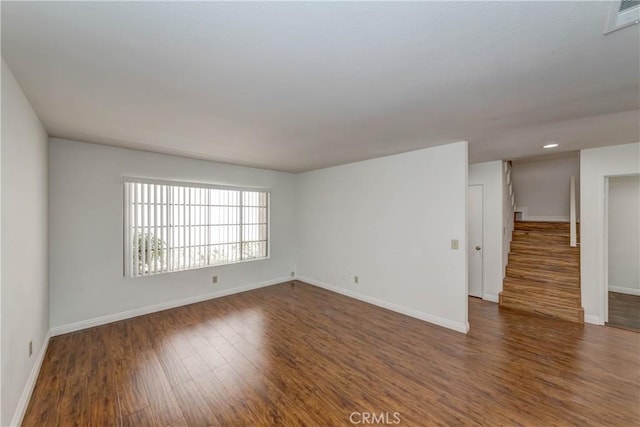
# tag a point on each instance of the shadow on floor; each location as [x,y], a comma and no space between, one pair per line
[624,311]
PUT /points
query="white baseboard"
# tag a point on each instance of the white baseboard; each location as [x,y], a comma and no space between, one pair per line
[490,297]
[594,320]
[622,290]
[110,318]
[436,320]
[21,409]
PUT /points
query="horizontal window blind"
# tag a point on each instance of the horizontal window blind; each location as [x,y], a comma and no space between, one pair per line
[177,226]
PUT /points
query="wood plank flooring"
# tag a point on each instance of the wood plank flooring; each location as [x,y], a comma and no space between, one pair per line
[300,355]
[624,311]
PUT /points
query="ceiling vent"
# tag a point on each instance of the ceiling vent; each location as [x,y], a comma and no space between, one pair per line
[622,14]
[628,4]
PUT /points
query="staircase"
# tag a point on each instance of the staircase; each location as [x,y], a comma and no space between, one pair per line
[543,272]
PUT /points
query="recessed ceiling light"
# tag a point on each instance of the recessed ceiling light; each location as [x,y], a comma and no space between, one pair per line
[550,146]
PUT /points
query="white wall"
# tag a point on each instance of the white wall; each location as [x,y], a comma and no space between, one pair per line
[542,186]
[490,175]
[86,232]
[595,165]
[624,234]
[25,313]
[390,221]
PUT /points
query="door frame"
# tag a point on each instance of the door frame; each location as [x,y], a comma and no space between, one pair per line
[606,251]
[483,214]
[605,246]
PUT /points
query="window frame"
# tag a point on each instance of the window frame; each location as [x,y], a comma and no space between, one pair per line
[127,236]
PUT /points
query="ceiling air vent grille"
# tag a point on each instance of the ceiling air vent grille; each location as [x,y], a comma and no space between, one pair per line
[622,14]
[628,4]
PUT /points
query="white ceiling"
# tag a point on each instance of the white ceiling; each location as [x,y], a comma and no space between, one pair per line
[300,86]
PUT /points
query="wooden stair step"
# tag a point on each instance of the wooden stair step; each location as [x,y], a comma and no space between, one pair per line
[548,294]
[540,238]
[558,311]
[542,232]
[545,276]
[546,300]
[546,249]
[516,244]
[548,265]
[548,269]
[544,261]
[543,271]
[542,225]
[550,242]
[537,232]
[535,283]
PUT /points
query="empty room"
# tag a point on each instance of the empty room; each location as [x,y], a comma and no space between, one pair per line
[320,213]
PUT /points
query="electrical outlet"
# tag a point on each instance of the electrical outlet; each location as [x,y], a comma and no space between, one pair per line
[293,274]
[30,348]
[454,244]
[356,279]
[214,279]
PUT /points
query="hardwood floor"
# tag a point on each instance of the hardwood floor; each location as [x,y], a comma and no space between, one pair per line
[300,355]
[624,311]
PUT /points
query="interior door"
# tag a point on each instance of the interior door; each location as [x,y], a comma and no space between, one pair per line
[475,205]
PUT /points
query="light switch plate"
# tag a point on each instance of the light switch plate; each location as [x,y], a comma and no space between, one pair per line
[454,244]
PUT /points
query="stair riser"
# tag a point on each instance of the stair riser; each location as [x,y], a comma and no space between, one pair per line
[544,276]
[543,273]
[572,314]
[569,268]
[547,247]
[562,300]
[519,282]
[541,239]
[551,232]
[515,283]
[549,226]
[547,251]
[540,297]
[553,245]
[544,262]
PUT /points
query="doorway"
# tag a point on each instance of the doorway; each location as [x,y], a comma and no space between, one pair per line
[476,215]
[623,252]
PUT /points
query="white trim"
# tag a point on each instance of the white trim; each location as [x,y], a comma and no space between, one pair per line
[430,318]
[484,216]
[490,297]
[605,254]
[594,320]
[618,20]
[623,290]
[23,403]
[109,318]
[573,240]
